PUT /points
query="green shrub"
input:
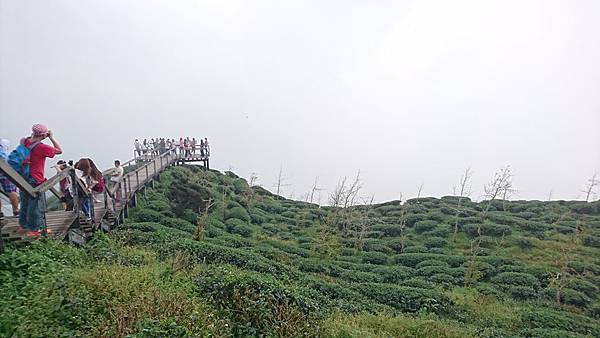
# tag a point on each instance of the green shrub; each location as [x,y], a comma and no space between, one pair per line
[258,304]
[560,320]
[412,259]
[575,298]
[238,213]
[146,215]
[422,226]
[412,219]
[415,249]
[394,274]
[435,242]
[236,226]
[432,262]
[374,257]
[407,299]
[584,286]
[591,241]
[390,230]
[487,229]
[180,224]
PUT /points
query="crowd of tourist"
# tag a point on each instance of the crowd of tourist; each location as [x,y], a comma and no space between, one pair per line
[29,160]
[186,147]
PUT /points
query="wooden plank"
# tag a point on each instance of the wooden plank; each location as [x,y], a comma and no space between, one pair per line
[52,181]
[17,179]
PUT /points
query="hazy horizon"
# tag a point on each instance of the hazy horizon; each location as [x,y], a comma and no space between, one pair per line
[408,92]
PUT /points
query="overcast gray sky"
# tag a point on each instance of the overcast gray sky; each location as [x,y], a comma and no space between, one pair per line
[409,92]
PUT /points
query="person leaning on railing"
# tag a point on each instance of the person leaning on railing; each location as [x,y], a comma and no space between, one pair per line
[31,216]
[115,175]
[65,185]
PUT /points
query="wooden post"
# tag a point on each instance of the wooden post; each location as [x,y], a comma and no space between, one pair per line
[134,200]
[137,179]
[146,180]
[154,164]
[75,191]
[1,239]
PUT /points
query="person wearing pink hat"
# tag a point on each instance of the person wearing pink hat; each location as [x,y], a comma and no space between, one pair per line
[31,215]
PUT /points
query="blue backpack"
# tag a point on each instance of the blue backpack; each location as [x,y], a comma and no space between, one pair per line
[19,158]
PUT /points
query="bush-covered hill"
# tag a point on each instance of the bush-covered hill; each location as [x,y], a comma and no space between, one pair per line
[206,255]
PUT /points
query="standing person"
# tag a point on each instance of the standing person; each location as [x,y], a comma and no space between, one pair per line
[206,147]
[65,186]
[186,146]
[193,145]
[31,217]
[180,145]
[161,146]
[91,176]
[116,174]
[138,147]
[202,147]
[173,146]
[9,188]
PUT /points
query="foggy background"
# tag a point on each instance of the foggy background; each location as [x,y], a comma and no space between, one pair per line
[409,92]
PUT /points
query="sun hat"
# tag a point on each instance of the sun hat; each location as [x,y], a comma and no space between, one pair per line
[39,130]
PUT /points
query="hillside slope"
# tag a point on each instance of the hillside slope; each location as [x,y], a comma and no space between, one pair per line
[206,255]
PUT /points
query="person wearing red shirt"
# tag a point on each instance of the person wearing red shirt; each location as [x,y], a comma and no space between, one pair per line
[31,216]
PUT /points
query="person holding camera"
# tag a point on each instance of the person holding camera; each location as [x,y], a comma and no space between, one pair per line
[31,216]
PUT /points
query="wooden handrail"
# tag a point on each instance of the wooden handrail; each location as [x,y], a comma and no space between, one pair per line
[17,179]
[52,181]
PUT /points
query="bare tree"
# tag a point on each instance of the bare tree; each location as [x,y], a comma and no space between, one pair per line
[280,183]
[201,222]
[589,190]
[463,191]
[500,186]
[315,189]
[364,224]
[420,190]
[343,198]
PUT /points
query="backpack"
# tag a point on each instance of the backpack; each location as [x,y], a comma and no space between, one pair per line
[19,159]
[99,187]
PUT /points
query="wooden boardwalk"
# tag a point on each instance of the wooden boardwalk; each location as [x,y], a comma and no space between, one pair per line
[109,208]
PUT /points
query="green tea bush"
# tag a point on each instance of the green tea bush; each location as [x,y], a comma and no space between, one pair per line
[584,286]
[146,215]
[180,224]
[236,226]
[575,298]
[432,262]
[259,304]
[591,241]
[407,299]
[487,229]
[389,230]
[423,226]
[238,213]
[560,320]
[412,219]
[415,249]
[440,231]
[412,259]
[435,242]
[394,274]
[374,257]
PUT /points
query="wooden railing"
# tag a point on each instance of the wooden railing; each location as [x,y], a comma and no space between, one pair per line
[117,196]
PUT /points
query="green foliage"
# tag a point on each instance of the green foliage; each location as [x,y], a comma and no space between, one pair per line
[407,299]
[269,266]
[236,226]
[238,213]
[258,304]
